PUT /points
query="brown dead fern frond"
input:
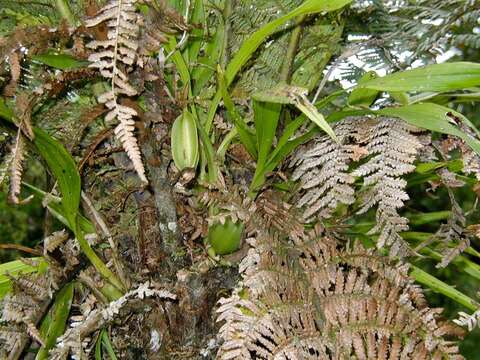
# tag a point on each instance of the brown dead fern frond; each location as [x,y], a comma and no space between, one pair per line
[115,58]
[394,146]
[72,340]
[323,170]
[131,38]
[453,237]
[16,168]
[327,172]
[14,60]
[25,306]
[53,241]
[314,301]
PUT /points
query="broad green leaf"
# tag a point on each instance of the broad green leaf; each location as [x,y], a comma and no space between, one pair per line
[435,118]
[363,97]
[60,61]
[436,77]
[266,116]
[196,34]
[65,171]
[14,268]
[55,322]
[184,140]
[251,44]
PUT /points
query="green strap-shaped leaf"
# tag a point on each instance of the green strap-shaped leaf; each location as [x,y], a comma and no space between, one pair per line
[251,44]
[363,96]
[14,268]
[246,137]
[65,171]
[60,61]
[53,325]
[266,116]
[435,118]
[437,77]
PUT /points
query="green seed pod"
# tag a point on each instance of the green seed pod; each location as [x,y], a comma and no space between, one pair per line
[225,238]
[185,142]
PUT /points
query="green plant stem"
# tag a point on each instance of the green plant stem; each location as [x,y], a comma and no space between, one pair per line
[437,285]
[97,262]
[227,11]
[64,10]
[227,140]
[286,71]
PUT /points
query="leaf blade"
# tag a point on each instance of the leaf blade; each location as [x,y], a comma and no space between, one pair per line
[436,77]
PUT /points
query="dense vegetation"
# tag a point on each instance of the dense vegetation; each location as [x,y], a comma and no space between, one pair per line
[239,179]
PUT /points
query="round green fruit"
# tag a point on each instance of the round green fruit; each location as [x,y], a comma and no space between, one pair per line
[225,238]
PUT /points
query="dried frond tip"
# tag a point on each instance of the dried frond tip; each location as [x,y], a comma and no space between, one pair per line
[114,59]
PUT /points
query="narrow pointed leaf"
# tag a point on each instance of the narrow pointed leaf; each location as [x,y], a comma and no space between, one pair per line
[55,323]
[251,44]
[436,77]
[435,118]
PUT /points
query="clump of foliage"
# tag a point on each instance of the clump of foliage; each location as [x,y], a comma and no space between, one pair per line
[208,192]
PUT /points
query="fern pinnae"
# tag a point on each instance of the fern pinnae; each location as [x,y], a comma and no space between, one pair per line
[394,147]
[120,48]
[5,168]
[16,168]
[323,171]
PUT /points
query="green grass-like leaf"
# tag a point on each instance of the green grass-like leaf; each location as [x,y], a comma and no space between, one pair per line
[14,268]
[251,44]
[54,323]
[436,77]
[433,117]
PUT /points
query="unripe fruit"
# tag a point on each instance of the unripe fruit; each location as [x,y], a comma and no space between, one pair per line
[225,238]
[185,142]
